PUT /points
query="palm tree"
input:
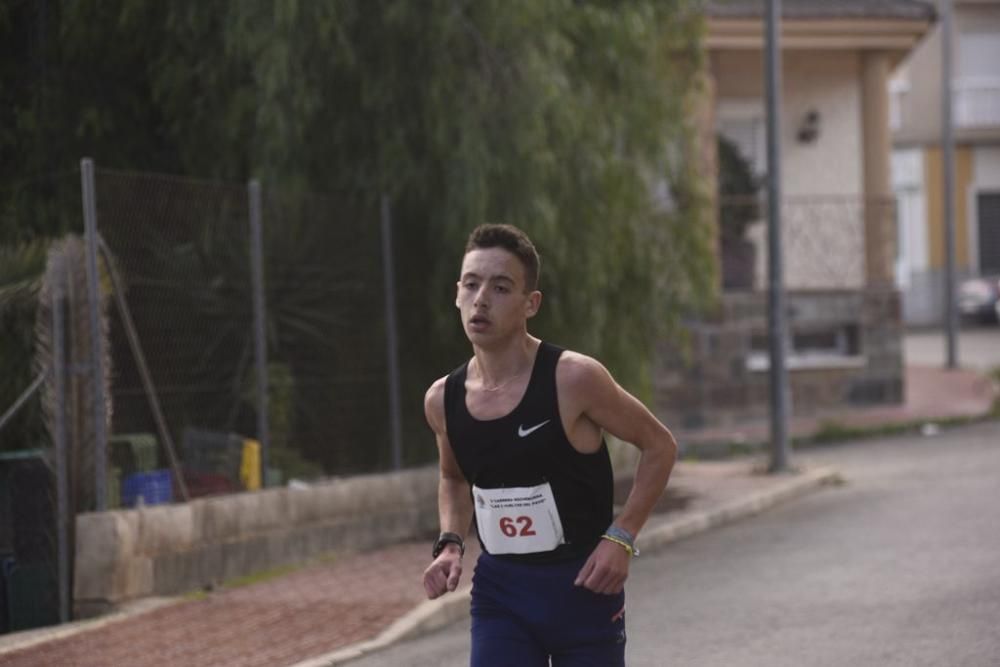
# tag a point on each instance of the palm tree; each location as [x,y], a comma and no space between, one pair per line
[29,274]
[66,271]
[21,268]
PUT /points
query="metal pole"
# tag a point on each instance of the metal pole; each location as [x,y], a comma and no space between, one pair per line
[21,400]
[776,297]
[96,335]
[118,289]
[948,166]
[392,338]
[58,371]
[259,328]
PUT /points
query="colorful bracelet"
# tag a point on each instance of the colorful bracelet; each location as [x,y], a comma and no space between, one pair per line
[621,537]
[631,550]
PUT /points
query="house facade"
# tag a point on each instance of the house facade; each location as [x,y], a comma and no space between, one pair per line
[917,168]
[838,211]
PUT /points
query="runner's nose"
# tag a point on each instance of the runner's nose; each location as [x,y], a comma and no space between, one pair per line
[481,300]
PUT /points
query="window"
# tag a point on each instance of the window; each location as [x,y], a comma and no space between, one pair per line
[899,86]
[977,84]
[978,54]
[827,347]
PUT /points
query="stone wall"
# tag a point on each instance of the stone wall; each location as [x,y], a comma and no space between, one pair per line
[169,549]
[722,377]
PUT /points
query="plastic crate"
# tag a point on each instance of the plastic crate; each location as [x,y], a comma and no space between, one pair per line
[114,490]
[212,452]
[153,488]
[134,452]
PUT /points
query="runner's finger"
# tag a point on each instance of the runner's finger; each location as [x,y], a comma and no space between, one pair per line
[453,576]
[434,582]
[584,574]
[597,579]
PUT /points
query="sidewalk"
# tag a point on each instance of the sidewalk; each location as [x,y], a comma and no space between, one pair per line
[329,612]
[932,395]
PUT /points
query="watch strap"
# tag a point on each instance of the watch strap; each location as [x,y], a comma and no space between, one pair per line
[448,538]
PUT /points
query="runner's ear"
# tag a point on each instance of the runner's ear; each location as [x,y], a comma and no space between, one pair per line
[534,303]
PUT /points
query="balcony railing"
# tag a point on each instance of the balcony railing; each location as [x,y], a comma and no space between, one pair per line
[825,241]
[977,101]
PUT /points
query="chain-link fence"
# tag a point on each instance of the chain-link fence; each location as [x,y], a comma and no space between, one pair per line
[34,586]
[183,335]
[238,338]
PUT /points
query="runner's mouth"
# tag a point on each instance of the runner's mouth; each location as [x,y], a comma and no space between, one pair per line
[478,319]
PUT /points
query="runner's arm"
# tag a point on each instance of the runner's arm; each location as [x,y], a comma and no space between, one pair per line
[622,415]
[454,500]
[596,396]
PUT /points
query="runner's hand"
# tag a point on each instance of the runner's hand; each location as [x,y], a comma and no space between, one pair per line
[606,569]
[442,575]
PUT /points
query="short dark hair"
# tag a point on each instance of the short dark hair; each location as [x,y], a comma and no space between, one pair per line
[514,241]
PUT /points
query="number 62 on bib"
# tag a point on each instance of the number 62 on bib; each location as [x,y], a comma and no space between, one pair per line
[518,520]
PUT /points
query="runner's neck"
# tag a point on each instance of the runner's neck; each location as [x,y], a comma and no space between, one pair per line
[496,369]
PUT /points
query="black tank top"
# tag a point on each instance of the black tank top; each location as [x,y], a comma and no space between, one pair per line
[528,447]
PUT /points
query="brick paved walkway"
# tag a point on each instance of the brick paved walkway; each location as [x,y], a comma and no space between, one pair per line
[309,612]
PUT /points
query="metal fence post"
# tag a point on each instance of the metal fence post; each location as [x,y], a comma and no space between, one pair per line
[97,359]
[777,326]
[392,337]
[259,328]
[58,371]
[153,397]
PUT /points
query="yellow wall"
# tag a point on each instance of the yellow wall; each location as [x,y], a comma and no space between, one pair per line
[934,184]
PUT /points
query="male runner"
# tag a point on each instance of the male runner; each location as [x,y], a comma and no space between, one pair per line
[519,430]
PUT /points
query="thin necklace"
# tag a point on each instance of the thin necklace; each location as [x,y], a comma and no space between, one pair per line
[504,383]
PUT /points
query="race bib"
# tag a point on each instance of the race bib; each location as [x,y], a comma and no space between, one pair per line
[518,520]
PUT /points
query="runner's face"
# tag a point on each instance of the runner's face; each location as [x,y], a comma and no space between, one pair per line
[492,297]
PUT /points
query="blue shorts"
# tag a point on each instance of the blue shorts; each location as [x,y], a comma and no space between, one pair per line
[523,613]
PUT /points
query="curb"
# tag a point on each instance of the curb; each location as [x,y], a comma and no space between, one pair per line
[435,614]
[428,616]
[30,638]
[657,537]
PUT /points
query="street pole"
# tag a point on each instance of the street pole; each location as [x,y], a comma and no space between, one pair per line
[60,440]
[97,372]
[948,166]
[392,337]
[776,295]
[259,326]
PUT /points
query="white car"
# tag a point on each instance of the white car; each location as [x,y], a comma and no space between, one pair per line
[979,299]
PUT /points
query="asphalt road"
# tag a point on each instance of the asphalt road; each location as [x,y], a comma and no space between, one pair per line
[898,566]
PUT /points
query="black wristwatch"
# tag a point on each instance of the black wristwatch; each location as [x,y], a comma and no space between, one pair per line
[448,538]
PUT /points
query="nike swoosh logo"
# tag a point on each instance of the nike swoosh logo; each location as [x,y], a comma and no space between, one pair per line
[521,431]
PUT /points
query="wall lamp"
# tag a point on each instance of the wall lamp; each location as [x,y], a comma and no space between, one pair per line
[809,129]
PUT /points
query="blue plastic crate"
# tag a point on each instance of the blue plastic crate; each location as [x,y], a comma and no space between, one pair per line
[154,487]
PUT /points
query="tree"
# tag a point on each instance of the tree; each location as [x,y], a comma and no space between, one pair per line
[21,269]
[565,118]
[738,209]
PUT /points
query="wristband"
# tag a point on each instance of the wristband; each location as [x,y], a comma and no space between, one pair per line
[621,537]
[448,538]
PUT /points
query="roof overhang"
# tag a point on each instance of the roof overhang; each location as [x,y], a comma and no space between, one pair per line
[897,36]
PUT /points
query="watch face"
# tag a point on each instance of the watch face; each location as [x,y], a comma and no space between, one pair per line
[447,539]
